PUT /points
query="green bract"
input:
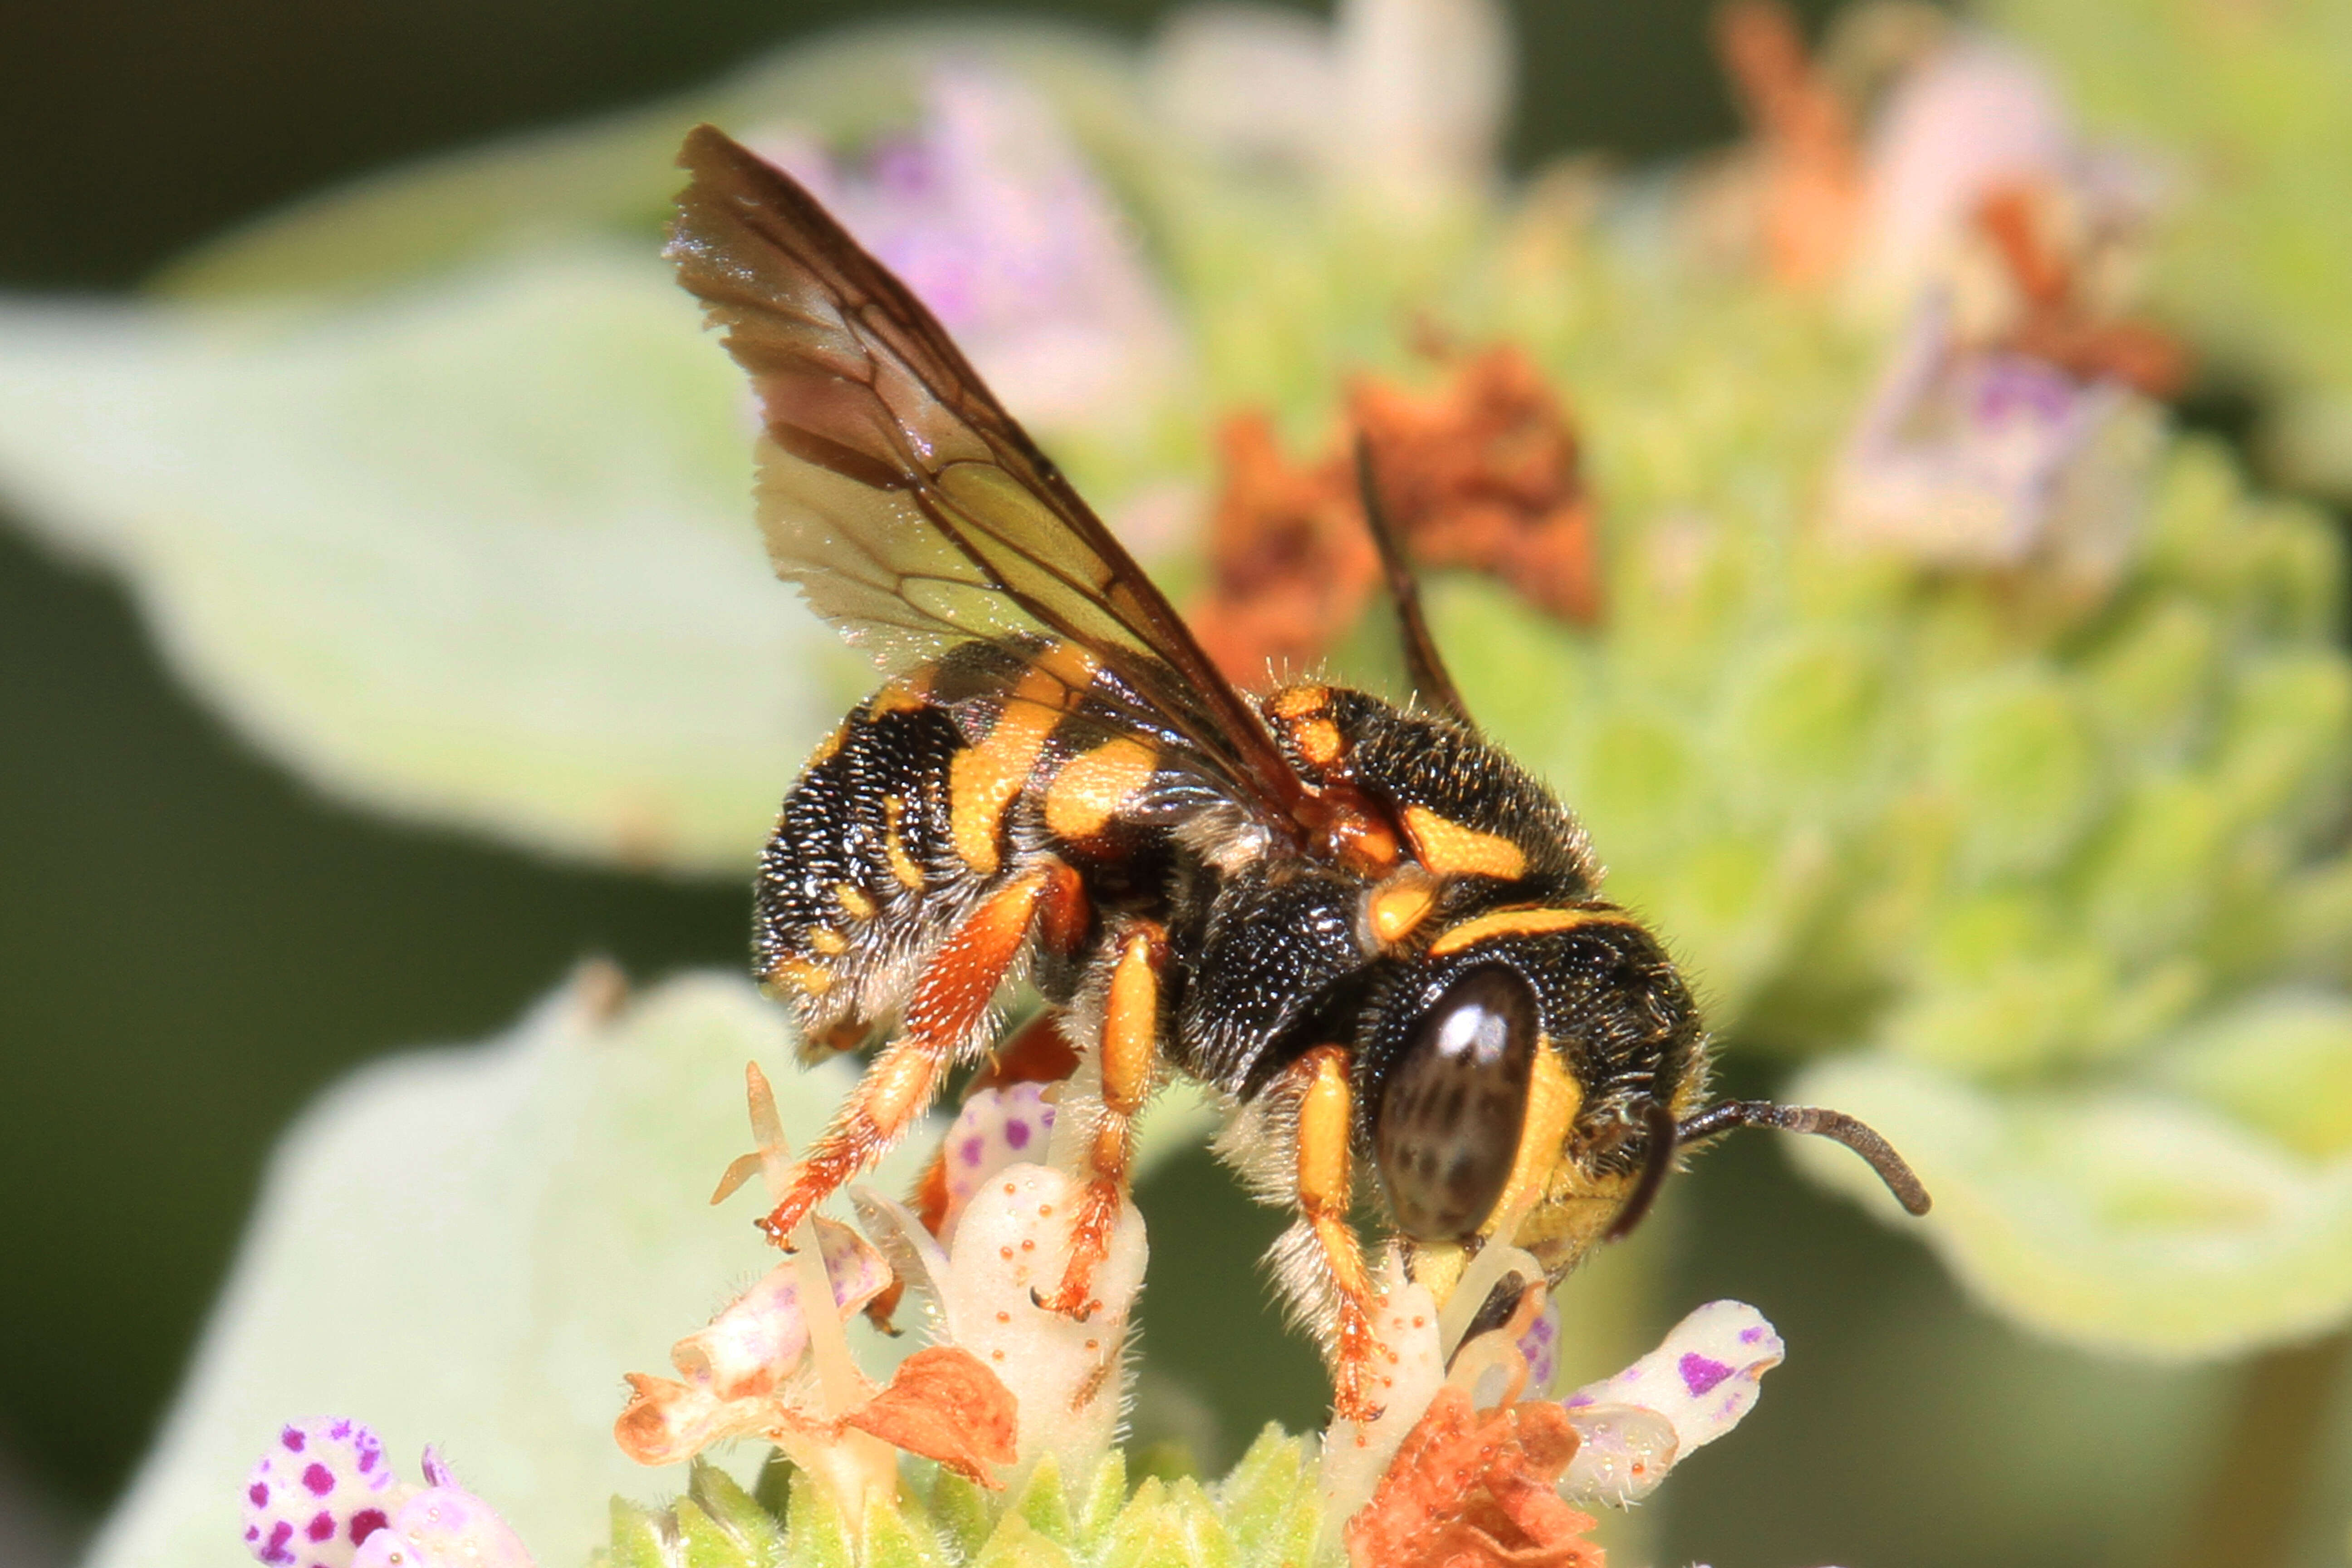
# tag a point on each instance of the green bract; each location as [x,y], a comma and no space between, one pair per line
[1263,1515]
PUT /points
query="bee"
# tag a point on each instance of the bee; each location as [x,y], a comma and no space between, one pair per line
[1379,940]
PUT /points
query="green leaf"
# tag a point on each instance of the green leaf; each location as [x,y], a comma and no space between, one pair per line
[480,556]
[2123,1217]
[468,1246]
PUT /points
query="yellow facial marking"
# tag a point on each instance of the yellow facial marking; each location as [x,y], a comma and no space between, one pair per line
[1317,741]
[855,899]
[1437,1267]
[894,846]
[1300,701]
[984,779]
[1087,793]
[828,941]
[1519,923]
[1450,850]
[1554,1097]
[1401,904]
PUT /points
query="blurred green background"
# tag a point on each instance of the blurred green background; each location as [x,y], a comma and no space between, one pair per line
[191,944]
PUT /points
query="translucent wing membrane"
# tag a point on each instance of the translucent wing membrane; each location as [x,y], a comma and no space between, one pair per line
[906,504]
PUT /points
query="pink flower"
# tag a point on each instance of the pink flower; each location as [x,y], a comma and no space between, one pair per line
[991,215]
[324,1497]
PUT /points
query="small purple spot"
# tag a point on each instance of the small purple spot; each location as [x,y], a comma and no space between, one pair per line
[973,1148]
[293,1439]
[274,1549]
[340,1431]
[321,1526]
[368,1456]
[320,1479]
[1045,1116]
[253,1532]
[1017,1134]
[366,1522]
[259,1494]
[1749,1336]
[1699,1375]
[1578,1401]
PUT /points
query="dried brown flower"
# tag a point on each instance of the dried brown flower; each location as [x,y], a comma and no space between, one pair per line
[1480,472]
[1475,1489]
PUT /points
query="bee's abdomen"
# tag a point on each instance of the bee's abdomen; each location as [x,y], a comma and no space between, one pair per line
[861,847]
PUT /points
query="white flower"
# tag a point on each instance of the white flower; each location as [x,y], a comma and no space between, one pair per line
[1399,102]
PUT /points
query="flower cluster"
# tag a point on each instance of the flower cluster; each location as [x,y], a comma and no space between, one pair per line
[1467,1462]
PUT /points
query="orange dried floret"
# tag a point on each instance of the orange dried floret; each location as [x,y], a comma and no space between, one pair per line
[1475,1489]
[1481,472]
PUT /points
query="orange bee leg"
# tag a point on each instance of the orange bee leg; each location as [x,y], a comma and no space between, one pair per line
[1326,1187]
[949,1004]
[1130,1051]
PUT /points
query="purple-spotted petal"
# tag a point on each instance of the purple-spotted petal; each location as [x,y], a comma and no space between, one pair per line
[317,1481]
[1540,1346]
[996,1128]
[762,1334]
[1683,1396]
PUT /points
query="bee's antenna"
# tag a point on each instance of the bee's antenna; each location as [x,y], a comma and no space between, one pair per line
[1657,1160]
[1892,1168]
[1423,666]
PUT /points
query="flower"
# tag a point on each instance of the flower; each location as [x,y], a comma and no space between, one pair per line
[988,212]
[1480,472]
[323,1497]
[1398,104]
[1989,458]
[1009,1383]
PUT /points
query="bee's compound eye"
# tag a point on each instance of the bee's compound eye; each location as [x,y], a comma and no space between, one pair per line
[1447,1131]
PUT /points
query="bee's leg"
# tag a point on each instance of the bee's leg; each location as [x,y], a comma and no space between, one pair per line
[1129,1054]
[950,1003]
[1039,1053]
[1327,1114]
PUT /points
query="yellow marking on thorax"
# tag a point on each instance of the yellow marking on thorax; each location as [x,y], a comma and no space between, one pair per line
[1319,742]
[1450,850]
[828,941]
[1094,788]
[1519,923]
[983,778]
[905,695]
[894,846]
[1300,701]
[1554,1097]
[1399,904]
[855,899]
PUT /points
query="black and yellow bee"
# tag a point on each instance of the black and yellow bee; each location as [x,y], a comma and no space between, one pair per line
[1368,929]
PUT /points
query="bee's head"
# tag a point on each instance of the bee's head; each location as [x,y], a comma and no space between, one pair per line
[1529,1079]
